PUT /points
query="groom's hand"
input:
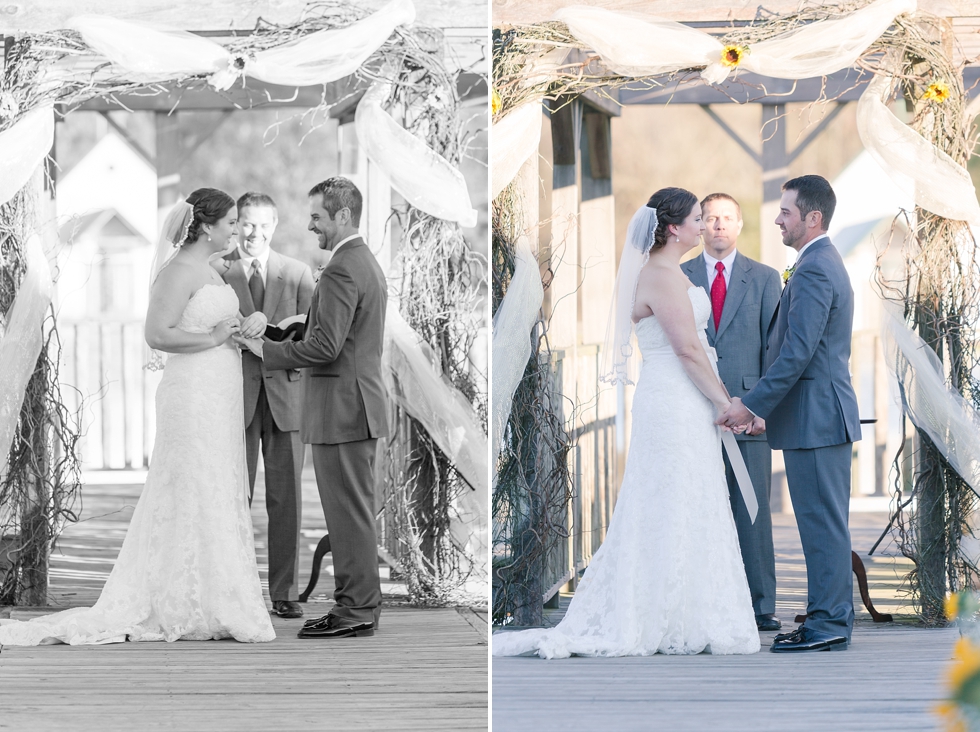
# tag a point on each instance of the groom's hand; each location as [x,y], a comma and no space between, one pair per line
[254,325]
[252,344]
[757,427]
[737,415]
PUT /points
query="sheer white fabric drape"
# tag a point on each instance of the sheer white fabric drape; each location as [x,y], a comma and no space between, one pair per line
[923,171]
[426,179]
[422,391]
[21,342]
[633,44]
[512,324]
[515,139]
[151,52]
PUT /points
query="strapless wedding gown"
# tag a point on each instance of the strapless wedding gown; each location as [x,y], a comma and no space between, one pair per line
[186,570]
[669,576]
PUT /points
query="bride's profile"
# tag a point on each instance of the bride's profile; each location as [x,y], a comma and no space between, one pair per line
[186,569]
[669,577]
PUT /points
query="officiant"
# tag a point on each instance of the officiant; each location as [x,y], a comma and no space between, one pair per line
[277,287]
[744,294]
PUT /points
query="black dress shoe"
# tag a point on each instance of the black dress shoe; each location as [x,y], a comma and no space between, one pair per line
[805,639]
[287,609]
[767,622]
[334,626]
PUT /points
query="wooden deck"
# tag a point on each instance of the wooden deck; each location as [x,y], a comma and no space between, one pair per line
[426,669]
[889,679]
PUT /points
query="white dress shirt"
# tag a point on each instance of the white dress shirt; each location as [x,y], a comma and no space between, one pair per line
[710,262]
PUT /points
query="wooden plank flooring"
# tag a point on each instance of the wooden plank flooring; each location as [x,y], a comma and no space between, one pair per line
[426,669]
[889,679]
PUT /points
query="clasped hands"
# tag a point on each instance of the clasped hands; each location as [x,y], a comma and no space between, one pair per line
[250,334]
[738,419]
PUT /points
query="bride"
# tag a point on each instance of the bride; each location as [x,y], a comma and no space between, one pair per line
[186,570]
[669,576]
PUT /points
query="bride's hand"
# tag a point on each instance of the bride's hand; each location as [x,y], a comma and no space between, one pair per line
[722,408]
[224,330]
[254,325]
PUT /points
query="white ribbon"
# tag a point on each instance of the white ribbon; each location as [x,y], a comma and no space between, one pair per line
[21,343]
[515,139]
[741,474]
[23,147]
[923,171]
[423,177]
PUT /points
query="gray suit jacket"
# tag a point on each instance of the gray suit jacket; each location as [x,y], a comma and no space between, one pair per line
[344,396]
[288,292]
[805,395]
[740,341]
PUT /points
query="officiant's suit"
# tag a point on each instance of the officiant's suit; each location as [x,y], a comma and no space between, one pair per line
[811,414]
[272,410]
[344,414]
[752,291]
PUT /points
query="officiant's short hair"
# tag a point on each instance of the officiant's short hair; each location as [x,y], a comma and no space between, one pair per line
[257,199]
[724,197]
[338,193]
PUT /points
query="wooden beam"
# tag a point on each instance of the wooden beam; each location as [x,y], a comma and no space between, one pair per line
[167,160]
[124,134]
[30,16]
[749,150]
[815,132]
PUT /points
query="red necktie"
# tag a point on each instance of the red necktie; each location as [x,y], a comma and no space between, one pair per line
[718,290]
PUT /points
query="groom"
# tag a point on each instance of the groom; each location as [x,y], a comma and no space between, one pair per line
[344,402]
[810,410]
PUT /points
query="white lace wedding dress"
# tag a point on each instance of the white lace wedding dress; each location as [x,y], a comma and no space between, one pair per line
[186,570]
[669,576]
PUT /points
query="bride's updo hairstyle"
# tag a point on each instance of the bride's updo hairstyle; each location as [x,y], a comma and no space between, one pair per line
[210,206]
[673,205]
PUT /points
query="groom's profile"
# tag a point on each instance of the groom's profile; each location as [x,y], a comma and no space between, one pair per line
[344,402]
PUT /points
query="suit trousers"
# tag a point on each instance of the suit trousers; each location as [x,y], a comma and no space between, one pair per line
[282,454]
[755,540]
[345,479]
[820,487]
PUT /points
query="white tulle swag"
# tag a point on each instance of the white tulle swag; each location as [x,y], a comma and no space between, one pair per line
[151,52]
[923,171]
[423,392]
[23,146]
[515,139]
[633,44]
[426,179]
[512,324]
[331,54]
[21,342]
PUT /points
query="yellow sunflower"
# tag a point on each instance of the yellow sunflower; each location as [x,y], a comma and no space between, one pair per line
[966,665]
[937,91]
[496,102]
[732,55]
[952,605]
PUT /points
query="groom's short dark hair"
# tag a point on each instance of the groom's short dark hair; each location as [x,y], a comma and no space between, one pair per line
[338,193]
[813,193]
[256,199]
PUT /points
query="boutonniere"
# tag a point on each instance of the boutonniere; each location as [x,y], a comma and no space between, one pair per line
[787,273]
[318,272]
